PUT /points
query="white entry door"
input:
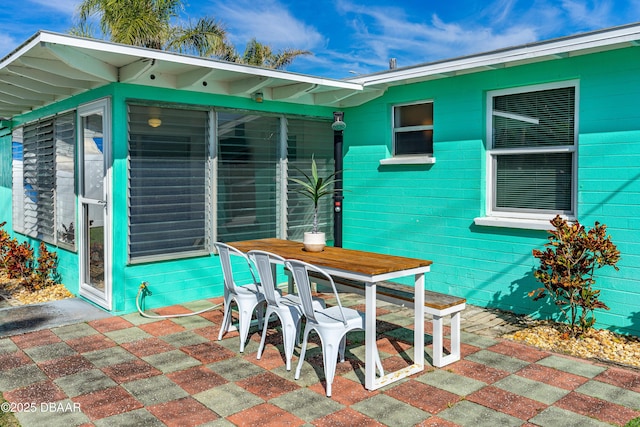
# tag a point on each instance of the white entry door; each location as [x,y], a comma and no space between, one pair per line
[94,149]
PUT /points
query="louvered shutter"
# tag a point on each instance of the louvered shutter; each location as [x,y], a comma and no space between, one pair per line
[306,138]
[248,175]
[167,182]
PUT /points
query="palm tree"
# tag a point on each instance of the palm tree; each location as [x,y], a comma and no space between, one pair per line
[148,23]
[261,55]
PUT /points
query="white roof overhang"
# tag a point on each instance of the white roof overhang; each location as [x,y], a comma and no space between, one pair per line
[50,67]
[565,47]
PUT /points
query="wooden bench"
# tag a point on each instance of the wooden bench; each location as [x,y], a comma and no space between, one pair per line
[437,304]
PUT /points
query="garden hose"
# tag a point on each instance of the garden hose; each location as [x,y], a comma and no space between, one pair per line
[144,289]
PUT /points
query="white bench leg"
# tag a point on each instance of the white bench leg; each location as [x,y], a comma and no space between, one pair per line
[439,359]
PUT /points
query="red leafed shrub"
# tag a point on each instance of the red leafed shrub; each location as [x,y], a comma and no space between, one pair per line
[18,262]
[567,269]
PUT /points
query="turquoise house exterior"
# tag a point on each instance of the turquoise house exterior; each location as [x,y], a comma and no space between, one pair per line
[462,162]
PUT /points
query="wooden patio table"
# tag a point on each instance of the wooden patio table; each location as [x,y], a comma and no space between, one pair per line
[369,268]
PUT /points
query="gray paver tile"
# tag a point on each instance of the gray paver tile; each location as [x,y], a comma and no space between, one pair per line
[235,369]
[497,361]
[21,377]
[78,330]
[557,417]
[227,399]
[171,361]
[306,404]
[397,318]
[127,335]
[390,411]
[611,393]
[192,322]
[49,352]
[65,413]
[109,356]
[451,382]
[137,319]
[535,390]
[138,417]
[154,390]
[184,338]
[571,365]
[476,340]
[84,382]
[467,413]
[7,346]
[202,304]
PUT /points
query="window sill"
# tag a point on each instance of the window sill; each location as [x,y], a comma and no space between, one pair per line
[527,224]
[409,160]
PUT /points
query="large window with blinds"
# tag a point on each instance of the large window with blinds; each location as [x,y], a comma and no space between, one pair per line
[168,158]
[532,155]
[44,179]
[197,176]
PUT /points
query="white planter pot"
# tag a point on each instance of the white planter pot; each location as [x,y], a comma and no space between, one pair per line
[314,242]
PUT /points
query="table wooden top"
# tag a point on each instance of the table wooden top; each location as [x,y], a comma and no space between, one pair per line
[368,263]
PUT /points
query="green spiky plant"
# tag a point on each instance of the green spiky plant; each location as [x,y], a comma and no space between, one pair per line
[315,188]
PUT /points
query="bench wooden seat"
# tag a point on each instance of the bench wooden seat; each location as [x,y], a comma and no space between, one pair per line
[437,304]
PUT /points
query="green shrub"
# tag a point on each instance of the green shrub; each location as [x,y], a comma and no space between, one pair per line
[633,423]
[567,268]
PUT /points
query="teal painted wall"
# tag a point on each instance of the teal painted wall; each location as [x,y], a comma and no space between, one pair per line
[428,211]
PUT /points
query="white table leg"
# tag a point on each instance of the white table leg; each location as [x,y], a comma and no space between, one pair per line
[418,327]
[370,336]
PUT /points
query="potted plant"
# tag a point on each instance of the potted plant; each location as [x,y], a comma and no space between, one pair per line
[315,188]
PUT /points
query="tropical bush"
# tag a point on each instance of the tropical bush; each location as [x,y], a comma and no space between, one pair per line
[17,261]
[567,268]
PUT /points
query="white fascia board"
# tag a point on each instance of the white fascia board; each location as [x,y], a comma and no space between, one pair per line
[139,52]
[558,48]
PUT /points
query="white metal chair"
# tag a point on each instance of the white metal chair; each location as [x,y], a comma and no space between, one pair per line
[287,308]
[247,297]
[331,324]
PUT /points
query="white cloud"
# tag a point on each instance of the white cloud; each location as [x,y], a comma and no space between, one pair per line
[7,44]
[591,14]
[385,32]
[269,22]
[67,7]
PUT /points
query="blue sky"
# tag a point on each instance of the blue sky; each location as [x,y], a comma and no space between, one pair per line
[351,37]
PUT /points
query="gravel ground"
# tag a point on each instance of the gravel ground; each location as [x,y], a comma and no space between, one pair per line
[597,344]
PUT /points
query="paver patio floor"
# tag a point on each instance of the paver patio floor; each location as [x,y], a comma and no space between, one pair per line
[130,370]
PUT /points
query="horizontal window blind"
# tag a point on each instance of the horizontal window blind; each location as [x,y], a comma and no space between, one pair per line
[531,174]
[534,181]
[167,182]
[306,138]
[248,161]
[534,119]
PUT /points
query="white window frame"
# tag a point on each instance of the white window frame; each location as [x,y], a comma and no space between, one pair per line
[418,158]
[522,219]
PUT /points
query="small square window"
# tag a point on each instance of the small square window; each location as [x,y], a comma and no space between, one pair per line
[413,129]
